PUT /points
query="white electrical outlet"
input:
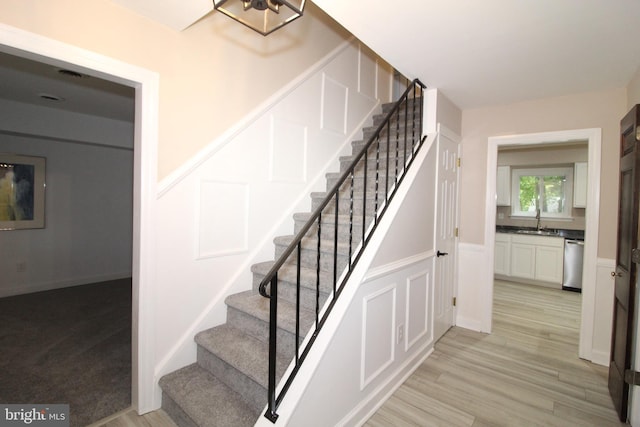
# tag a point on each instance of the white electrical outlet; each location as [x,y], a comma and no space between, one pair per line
[400,335]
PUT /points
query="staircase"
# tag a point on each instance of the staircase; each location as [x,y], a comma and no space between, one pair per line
[229,383]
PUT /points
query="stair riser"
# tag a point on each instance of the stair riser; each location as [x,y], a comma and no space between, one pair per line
[287,290]
[176,413]
[345,206]
[405,117]
[373,164]
[309,258]
[254,394]
[328,231]
[392,146]
[358,183]
[259,329]
[391,130]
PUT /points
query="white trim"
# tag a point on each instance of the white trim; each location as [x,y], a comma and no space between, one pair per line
[594,138]
[44,49]
[392,267]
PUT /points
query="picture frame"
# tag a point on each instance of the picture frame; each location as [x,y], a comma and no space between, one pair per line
[22,191]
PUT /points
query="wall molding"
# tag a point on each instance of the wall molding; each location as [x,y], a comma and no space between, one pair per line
[226,137]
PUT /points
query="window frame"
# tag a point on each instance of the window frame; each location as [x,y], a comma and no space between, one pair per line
[566,171]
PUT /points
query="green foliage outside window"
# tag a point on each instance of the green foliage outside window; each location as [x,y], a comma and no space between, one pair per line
[542,192]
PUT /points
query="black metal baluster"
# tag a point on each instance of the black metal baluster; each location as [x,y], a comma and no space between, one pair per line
[406,131]
[335,246]
[386,180]
[351,219]
[395,174]
[364,199]
[318,264]
[273,330]
[298,288]
[375,214]
[413,122]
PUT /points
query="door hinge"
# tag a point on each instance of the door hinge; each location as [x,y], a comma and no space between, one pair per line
[632,377]
[635,256]
[456,232]
[459,161]
[454,301]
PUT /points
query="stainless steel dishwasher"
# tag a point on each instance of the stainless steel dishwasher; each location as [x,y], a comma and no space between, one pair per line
[573,254]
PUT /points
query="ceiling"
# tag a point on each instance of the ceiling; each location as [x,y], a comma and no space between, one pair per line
[478,53]
[44,85]
[492,52]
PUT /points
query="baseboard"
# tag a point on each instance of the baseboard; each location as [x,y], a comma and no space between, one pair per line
[600,357]
[471,324]
[60,284]
[365,410]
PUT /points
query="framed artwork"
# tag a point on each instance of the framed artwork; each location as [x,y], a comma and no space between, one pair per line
[22,184]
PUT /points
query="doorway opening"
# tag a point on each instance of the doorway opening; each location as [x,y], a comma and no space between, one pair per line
[593,138]
[146,84]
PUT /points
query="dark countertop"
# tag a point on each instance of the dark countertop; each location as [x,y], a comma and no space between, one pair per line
[567,234]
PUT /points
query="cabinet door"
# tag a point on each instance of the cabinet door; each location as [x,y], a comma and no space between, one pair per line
[523,260]
[502,258]
[580,185]
[549,264]
[503,186]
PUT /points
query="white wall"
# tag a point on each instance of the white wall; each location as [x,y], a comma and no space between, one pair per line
[88,218]
[219,213]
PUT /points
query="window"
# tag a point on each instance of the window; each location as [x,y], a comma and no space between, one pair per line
[547,189]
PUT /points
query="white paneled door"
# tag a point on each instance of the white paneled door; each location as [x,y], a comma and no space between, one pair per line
[446,224]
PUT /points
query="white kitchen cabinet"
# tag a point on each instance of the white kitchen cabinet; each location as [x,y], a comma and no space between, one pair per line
[503,186]
[523,260]
[580,185]
[549,263]
[535,258]
[502,254]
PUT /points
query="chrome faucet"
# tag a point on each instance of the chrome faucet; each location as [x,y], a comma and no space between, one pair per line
[538,220]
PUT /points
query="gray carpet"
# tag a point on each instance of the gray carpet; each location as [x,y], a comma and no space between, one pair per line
[71,346]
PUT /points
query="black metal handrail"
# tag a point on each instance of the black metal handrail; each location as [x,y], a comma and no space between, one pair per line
[383,135]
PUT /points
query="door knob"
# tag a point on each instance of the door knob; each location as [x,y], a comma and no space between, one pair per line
[439,254]
[614,274]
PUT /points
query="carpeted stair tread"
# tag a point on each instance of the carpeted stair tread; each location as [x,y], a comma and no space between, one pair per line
[258,306]
[206,401]
[241,351]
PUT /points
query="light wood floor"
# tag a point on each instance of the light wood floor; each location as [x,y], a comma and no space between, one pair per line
[526,373]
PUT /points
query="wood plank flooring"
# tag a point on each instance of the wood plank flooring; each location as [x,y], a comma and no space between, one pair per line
[526,373]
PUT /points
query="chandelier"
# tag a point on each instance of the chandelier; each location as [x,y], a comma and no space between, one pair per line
[263,16]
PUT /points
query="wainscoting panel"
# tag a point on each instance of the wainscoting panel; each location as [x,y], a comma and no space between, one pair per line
[378,333]
[288,140]
[418,309]
[334,105]
[223,212]
[367,75]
